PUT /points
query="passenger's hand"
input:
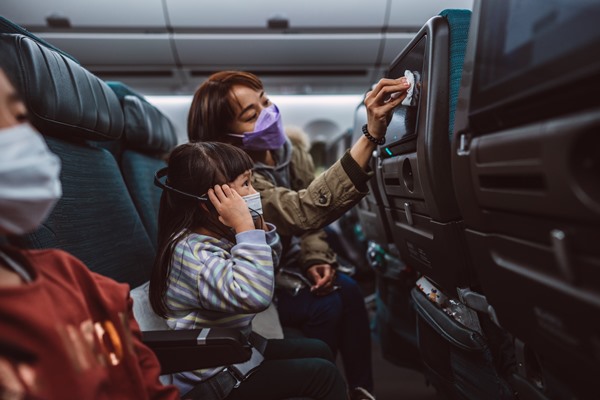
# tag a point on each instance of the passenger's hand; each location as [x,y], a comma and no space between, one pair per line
[322,275]
[232,208]
[380,103]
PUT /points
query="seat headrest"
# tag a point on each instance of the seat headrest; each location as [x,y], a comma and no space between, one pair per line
[7,26]
[63,98]
[146,128]
[458,22]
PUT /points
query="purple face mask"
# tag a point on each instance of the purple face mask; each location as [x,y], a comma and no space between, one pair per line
[268,132]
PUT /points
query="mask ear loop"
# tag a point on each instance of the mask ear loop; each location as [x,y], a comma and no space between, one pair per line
[258,217]
[161,173]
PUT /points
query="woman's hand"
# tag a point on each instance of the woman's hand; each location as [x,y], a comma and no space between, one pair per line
[232,208]
[386,95]
[322,275]
[381,101]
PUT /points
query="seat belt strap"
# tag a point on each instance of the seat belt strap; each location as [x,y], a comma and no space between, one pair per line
[258,341]
[219,386]
[242,371]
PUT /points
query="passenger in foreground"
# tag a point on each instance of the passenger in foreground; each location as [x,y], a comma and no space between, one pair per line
[214,268]
[65,332]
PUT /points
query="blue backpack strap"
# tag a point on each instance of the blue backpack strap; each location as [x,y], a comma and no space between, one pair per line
[458,23]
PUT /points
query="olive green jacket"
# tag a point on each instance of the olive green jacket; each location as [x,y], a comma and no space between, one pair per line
[310,203]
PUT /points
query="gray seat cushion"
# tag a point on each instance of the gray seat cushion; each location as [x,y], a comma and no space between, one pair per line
[142,310]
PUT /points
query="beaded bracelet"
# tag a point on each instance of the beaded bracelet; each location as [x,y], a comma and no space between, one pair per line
[379,141]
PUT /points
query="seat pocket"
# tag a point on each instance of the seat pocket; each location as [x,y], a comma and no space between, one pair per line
[457,359]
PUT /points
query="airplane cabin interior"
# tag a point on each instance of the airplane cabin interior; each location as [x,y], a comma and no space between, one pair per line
[479,233]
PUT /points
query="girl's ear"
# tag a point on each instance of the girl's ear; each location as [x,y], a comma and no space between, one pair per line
[208,207]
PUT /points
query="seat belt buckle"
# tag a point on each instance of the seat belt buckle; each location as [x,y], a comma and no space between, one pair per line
[235,376]
[241,372]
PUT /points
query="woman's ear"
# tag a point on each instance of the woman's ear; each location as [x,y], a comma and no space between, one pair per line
[203,206]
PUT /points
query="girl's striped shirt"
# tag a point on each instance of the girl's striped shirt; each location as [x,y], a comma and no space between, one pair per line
[216,283]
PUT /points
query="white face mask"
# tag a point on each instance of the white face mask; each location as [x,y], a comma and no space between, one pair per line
[254,204]
[29,179]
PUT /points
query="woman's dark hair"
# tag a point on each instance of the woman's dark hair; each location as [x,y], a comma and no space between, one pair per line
[193,168]
[211,113]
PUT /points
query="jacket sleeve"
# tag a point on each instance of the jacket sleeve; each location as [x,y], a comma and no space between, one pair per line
[327,197]
[314,249]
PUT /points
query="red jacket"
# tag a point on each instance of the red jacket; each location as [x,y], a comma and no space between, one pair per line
[70,334]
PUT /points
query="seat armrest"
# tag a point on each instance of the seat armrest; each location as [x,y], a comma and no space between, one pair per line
[190,349]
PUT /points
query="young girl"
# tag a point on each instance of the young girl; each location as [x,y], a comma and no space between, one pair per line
[214,268]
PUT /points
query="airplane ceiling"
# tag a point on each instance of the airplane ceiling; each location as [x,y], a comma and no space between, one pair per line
[171,46]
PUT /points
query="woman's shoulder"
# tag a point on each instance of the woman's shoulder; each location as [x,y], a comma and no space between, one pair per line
[302,168]
[298,138]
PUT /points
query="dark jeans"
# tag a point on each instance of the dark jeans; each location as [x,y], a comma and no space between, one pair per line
[339,319]
[294,368]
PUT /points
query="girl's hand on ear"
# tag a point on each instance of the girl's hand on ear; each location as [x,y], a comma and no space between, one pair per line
[232,208]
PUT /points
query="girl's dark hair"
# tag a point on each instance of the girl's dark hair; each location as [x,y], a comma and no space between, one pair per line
[192,168]
[211,113]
